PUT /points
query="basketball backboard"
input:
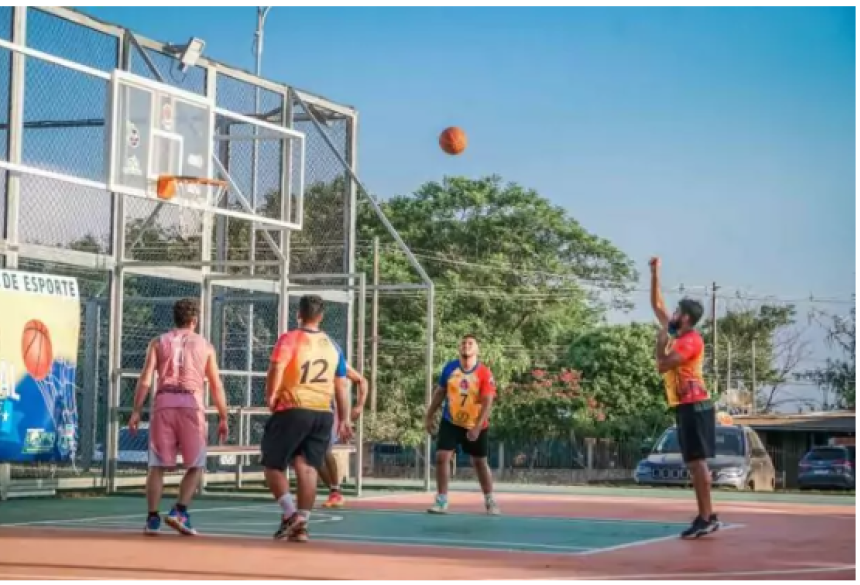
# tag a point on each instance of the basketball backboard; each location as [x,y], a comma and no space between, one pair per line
[159,130]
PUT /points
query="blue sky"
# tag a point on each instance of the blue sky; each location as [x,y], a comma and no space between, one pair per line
[721,139]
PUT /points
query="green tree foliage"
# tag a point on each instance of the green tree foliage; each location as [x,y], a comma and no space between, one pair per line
[617,369]
[773,331]
[508,267]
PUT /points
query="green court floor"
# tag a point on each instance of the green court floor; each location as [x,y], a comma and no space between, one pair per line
[392,528]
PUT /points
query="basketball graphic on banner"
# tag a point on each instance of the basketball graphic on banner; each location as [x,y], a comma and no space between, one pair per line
[37,350]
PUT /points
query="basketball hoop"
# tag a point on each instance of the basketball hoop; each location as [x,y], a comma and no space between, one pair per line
[193,190]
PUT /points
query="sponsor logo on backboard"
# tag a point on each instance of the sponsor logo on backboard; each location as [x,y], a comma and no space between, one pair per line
[166,116]
[195,160]
[132,135]
[132,167]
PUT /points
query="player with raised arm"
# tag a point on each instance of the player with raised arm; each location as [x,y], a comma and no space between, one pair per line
[679,353]
[307,371]
[183,360]
[466,389]
[329,472]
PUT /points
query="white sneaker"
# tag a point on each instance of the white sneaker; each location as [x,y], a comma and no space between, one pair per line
[440,506]
[492,508]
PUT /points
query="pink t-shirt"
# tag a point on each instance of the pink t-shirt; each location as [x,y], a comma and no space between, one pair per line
[181,357]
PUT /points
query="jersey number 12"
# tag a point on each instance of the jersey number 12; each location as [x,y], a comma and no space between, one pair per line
[319,378]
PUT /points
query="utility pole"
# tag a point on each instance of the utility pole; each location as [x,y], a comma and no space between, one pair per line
[754,381]
[714,289]
[374,329]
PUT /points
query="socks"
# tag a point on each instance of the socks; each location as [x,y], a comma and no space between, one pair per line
[181,508]
[442,498]
[334,489]
[287,505]
[305,514]
[153,514]
[489,499]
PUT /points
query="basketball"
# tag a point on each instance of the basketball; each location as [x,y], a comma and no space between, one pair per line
[453,140]
[36,349]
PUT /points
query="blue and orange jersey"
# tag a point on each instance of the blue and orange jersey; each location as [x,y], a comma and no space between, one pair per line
[313,362]
[463,392]
[686,383]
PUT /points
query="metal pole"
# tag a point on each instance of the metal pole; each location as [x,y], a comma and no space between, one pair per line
[714,289]
[374,329]
[262,12]
[13,180]
[428,394]
[754,381]
[728,368]
[359,362]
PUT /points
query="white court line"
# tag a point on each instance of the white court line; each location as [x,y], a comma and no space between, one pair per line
[123,523]
[359,539]
[30,576]
[718,574]
[117,516]
[584,519]
[651,541]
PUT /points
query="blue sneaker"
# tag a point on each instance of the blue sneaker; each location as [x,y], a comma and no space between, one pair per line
[180,522]
[153,525]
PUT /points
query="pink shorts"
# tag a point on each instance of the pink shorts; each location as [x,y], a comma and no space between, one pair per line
[174,431]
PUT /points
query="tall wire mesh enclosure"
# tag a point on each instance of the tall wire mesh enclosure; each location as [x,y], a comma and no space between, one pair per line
[92,115]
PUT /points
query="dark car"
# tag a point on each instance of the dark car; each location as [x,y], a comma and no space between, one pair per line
[827,467]
[741,462]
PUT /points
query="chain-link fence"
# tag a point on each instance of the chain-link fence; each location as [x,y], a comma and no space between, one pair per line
[130,257]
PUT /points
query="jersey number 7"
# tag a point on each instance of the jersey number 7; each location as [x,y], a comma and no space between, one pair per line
[319,378]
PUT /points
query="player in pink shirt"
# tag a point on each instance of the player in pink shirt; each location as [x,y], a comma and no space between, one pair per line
[184,360]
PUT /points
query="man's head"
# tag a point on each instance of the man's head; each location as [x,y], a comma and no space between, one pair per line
[310,310]
[686,316]
[468,346]
[186,313]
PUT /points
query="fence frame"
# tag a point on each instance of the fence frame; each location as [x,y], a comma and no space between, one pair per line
[115,263]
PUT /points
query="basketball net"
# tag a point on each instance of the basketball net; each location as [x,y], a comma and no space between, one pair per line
[190,223]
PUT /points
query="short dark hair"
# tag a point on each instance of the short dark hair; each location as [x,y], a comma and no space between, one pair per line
[471,336]
[692,309]
[311,308]
[185,311]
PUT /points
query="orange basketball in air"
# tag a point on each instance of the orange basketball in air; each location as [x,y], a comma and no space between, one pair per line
[453,140]
[36,349]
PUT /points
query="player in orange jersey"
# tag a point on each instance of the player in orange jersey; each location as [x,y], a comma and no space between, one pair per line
[306,373]
[329,473]
[680,353]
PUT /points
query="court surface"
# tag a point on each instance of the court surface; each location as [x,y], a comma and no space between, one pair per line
[540,536]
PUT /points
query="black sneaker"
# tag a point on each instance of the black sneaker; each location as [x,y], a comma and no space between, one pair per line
[714,523]
[292,528]
[699,527]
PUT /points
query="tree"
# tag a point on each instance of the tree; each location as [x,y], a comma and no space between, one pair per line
[508,267]
[617,369]
[768,336]
[838,375]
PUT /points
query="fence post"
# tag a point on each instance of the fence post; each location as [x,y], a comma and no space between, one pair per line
[90,383]
[501,463]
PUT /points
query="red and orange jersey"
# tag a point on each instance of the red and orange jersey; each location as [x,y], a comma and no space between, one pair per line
[313,361]
[685,384]
[463,392]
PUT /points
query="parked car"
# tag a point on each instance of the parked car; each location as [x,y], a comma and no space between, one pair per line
[741,461]
[827,467]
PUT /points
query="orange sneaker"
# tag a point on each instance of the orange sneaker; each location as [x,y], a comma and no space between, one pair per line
[335,500]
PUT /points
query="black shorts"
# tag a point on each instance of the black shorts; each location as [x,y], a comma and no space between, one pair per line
[450,435]
[697,430]
[296,431]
